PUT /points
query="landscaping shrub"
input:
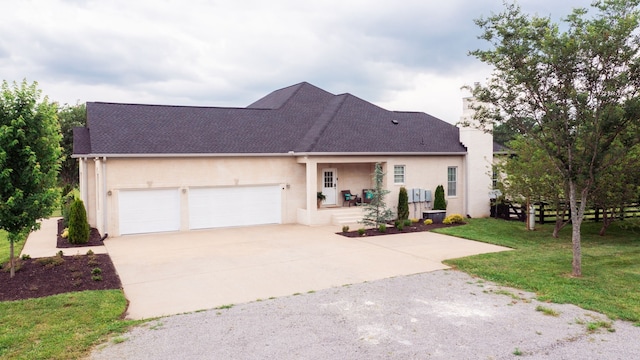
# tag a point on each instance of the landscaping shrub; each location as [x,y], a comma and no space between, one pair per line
[428,222]
[78,224]
[407,222]
[65,205]
[403,204]
[382,228]
[414,220]
[361,231]
[438,202]
[453,219]
[345,228]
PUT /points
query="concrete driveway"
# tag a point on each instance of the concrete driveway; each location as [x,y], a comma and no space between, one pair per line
[172,273]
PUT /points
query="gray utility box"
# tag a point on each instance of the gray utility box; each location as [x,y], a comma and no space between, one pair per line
[426,195]
[436,215]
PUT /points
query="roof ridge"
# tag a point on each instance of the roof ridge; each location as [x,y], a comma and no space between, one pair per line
[172,106]
[312,136]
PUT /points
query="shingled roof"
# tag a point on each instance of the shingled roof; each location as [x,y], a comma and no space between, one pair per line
[301,118]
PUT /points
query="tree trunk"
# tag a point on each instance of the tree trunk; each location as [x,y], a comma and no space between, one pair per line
[606,221]
[12,261]
[577,213]
[560,223]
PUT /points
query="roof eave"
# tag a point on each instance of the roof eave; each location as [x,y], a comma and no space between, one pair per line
[291,153]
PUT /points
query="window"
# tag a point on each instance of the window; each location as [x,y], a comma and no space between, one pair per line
[452,180]
[398,174]
[494,178]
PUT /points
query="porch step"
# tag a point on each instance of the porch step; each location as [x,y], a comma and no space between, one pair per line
[347,216]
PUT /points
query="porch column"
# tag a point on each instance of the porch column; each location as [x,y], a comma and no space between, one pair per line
[99,197]
[82,173]
[312,189]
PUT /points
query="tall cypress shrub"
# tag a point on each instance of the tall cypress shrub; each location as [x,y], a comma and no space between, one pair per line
[438,202]
[403,204]
[78,224]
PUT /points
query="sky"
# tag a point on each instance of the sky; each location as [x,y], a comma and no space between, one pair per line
[406,55]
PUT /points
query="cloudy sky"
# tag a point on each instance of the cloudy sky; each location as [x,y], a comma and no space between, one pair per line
[401,55]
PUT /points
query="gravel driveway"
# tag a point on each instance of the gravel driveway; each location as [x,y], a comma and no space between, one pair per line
[441,315]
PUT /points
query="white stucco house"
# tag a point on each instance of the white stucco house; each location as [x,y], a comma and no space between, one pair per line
[156,168]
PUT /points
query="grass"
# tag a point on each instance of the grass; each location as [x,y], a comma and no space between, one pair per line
[541,264]
[5,246]
[64,326]
[547,311]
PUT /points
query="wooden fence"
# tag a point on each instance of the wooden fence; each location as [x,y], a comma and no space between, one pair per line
[547,214]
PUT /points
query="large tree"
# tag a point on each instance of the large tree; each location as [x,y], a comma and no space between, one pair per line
[530,176]
[29,160]
[572,89]
[70,116]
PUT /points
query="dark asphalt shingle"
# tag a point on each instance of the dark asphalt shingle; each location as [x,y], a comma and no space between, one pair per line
[301,118]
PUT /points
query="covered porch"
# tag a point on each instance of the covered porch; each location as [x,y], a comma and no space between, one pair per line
[332,176]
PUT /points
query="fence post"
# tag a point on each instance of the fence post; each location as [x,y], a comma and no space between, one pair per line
[597,214]
[541,212]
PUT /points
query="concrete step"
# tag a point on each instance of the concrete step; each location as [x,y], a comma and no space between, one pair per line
[347,216]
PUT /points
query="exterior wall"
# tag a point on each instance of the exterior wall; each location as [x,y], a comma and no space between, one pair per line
[185,173]
[479,162]
[354,173]
[424,172]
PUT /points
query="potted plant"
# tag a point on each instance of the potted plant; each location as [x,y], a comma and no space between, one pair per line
[321,198]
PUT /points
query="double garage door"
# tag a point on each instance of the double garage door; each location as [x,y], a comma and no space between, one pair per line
[148,211]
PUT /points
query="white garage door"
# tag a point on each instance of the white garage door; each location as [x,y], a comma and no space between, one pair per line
[234,206]
[148,211]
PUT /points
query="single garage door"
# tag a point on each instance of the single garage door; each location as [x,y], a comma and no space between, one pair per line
[234,206]
[148,211]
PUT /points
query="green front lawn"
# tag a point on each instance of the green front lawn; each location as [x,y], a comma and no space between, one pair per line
[64,326]
[610,265]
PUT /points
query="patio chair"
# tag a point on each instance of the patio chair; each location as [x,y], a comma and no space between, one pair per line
[367,195]
[349,198]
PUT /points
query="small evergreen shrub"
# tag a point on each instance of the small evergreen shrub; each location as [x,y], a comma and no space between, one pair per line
[361,232]
[403,204]
[407,222]
[414,220]
[400,226]
[453,219]
[438,202]
[345,228]
[382,228]
[78,224]
[428,222]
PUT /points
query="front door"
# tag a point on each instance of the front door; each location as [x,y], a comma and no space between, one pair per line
[330,185]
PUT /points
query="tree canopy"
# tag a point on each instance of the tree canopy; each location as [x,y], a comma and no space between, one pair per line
[29,159]
[70,116]
[572,92]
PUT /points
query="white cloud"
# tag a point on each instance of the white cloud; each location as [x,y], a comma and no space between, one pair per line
[403,55]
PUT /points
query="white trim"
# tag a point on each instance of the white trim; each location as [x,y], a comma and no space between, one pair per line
[291,153]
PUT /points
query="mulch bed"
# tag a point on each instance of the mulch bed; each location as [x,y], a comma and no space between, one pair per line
[41,277]
[56,275]
[415,227]
[94,238]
